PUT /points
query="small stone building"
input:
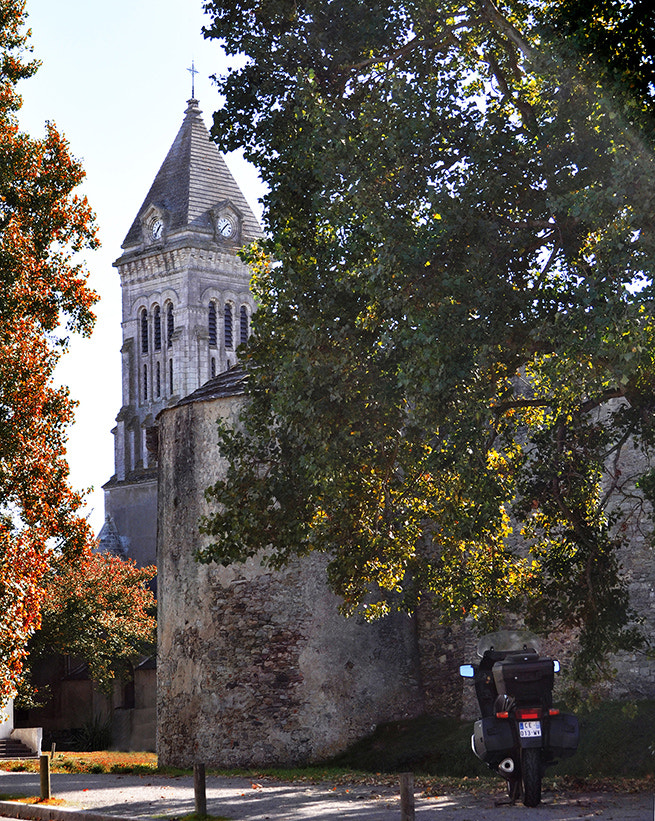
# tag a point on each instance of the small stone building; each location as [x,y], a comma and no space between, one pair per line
[257,667]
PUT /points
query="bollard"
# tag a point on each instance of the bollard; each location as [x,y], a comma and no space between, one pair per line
[44,770]
[199,791]
[407,797]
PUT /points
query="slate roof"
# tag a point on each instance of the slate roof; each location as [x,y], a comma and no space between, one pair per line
[109,540]
[229,383]
[192,179]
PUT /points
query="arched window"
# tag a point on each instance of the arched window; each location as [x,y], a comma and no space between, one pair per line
[157,328]
[170,325]
[211,325]
[145,382]
[243,325]
[144,331]
[229,338]
[158,381]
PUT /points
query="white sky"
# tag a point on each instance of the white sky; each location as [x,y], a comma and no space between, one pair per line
[114,80]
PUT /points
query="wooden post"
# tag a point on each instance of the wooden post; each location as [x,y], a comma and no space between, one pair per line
[407,797]
[199,791]
[44,770]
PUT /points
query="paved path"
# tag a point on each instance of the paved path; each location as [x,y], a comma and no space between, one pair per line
[152,797]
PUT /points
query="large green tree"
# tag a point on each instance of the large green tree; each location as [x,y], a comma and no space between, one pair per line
[618,36]
[43,297]
[454,340]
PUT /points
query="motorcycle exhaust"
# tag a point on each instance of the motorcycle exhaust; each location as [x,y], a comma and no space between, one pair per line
[506,766]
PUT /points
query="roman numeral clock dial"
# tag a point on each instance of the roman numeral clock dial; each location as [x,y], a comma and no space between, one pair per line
[156,228]
[226,226]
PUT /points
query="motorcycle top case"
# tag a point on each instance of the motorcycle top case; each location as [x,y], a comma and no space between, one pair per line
[492,738]
[564,735]
[523,678]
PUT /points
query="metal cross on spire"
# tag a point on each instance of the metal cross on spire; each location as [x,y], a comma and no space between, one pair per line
[193,71]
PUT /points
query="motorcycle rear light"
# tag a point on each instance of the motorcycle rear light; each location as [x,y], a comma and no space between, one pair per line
[553,711]
[502,714]
[528,715]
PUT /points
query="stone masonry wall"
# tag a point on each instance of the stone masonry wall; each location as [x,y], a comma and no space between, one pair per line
[257,667]
[634,673]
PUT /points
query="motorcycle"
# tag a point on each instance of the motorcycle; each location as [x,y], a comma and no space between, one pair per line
[520,733]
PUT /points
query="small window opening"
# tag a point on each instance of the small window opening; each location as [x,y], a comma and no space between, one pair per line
[229,341]
[144,331]
[213,367]
[170,376]
[145,382]
[170,324]
[157,320]
[158,380]
[211,325]
[243,325]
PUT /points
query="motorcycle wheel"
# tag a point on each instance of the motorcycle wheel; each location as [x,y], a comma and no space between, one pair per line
[531,772]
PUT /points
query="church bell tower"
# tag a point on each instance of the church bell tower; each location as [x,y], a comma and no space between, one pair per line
[186,306]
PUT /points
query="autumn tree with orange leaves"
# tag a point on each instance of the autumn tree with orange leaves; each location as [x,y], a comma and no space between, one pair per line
[43,289]
[98,609]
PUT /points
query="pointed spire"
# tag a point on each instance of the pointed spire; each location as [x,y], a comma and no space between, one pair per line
[109,539]
[192,180]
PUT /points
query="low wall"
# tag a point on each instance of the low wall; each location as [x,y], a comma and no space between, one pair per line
[31,737]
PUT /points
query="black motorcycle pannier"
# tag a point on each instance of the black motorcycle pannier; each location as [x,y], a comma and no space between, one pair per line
[526,680]
[492,738]
[564,735]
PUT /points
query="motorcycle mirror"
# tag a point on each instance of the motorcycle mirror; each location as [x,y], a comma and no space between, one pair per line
[467,671]
[556,665]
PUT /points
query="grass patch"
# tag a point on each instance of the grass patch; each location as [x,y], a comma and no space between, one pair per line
[95,762]
[433,745]
[617,741]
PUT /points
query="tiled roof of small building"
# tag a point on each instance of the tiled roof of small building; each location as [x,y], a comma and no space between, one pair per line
[229,383]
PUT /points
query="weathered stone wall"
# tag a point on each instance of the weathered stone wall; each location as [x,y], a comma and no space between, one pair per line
[258,667]
[132,506]
[442,649]
[634,673]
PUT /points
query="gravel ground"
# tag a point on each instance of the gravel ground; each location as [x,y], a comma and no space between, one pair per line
[150,797]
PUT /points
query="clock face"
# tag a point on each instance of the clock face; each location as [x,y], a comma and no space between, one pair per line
[156,228]
[226,226]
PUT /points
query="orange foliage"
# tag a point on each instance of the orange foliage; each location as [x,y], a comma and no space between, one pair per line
[42,226]
[98,608]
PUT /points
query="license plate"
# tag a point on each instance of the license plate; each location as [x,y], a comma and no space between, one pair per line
[529,729]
